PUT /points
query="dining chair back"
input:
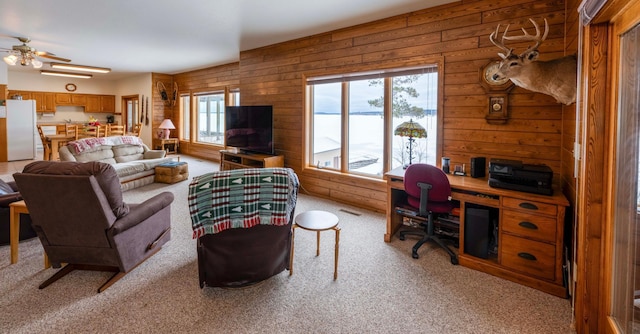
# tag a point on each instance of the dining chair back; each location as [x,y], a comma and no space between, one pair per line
[46,145]
[137,129]
[91,131]
[115,130]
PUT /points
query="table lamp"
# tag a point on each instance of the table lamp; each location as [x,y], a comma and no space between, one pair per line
[166,126]
[412,130]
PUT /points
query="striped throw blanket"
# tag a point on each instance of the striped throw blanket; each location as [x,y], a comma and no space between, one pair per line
[241,198]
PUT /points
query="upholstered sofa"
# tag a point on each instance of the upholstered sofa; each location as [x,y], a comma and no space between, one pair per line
[133,161]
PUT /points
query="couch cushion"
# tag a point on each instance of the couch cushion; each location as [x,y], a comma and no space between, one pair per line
[105,174]
[125,153]
[152,163]
[129,168]
[102,153]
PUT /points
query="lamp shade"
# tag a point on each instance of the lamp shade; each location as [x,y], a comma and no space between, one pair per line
[167,124]
[410,129]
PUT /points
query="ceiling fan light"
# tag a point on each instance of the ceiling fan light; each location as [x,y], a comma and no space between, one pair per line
[10,59]
[36,63]
[66,74]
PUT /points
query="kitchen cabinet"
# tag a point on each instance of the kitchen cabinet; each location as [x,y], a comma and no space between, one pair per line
[67,99]
[100,103]
[45,102]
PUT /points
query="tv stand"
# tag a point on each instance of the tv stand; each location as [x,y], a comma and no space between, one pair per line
[229,161]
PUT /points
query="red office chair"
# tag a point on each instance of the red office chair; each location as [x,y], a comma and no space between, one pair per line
[429,191]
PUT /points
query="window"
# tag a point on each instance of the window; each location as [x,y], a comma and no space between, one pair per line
[206,122]
[210,117]
[349,115]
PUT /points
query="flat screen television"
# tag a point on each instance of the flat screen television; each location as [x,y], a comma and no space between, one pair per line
[249,128]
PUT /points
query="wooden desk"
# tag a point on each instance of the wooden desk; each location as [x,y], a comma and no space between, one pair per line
[530,230]
[170,145]
[15,209]
[56,141]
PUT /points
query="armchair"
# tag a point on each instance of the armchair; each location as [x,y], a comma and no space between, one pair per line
[242,221]
[103,233]
[8,194]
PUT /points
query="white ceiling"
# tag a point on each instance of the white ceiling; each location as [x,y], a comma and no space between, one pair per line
[140,36]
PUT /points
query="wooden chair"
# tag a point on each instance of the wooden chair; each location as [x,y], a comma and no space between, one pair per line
[137,129]
[91,131]
[71,129]
[115,130]
[46,145]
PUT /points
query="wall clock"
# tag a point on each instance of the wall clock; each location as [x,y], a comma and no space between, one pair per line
[489,83]
[497,91]
[70,87]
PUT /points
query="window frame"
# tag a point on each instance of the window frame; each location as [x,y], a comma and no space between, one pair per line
[231,97]
[334,76]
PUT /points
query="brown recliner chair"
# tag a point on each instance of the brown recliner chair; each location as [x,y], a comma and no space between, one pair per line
[80,218]
[242,220]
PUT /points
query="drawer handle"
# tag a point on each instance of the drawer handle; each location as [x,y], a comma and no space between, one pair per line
[527,256]
[528,225]
[526,205]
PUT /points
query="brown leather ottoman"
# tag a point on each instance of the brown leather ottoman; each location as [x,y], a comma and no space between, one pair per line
[172,172]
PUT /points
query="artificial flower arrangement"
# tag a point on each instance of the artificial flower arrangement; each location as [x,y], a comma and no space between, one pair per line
[93,121]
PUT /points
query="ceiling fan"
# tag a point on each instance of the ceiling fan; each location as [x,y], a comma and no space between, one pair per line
[25,55]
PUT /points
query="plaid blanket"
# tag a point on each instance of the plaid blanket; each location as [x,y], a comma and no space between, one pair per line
[84,144]
[241,198]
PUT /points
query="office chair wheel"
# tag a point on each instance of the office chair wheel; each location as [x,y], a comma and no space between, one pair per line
[454,260]
[401,237]
[414,254]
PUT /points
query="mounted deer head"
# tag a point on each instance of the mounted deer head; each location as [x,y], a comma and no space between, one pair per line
[556,77]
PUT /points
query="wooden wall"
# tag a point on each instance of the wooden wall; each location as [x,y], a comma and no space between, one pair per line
[159,108]
[457,33]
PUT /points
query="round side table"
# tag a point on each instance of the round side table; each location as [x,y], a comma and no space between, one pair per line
[318,221]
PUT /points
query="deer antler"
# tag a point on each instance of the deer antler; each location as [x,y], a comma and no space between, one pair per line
[529,37]
[501,45]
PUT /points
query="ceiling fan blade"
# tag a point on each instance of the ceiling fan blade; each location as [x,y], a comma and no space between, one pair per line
[51,56]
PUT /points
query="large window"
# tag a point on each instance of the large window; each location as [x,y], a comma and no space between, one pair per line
[202,115]
[210,117]
[349,115]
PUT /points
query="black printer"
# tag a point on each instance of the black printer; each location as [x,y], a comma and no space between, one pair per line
[514,175]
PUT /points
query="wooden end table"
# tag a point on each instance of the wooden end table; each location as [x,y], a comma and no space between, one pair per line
[318,221]
[15,209]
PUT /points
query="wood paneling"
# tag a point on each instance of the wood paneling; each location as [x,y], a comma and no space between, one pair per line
[457,32]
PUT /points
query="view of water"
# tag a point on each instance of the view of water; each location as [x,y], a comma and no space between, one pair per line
[367,140]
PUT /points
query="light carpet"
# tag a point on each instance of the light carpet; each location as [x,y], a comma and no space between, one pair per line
[380,288]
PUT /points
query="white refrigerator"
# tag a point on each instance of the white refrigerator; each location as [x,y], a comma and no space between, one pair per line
[21,129]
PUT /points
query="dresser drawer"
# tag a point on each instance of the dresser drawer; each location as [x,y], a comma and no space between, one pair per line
[529,225]
[528,256]
[531,206]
